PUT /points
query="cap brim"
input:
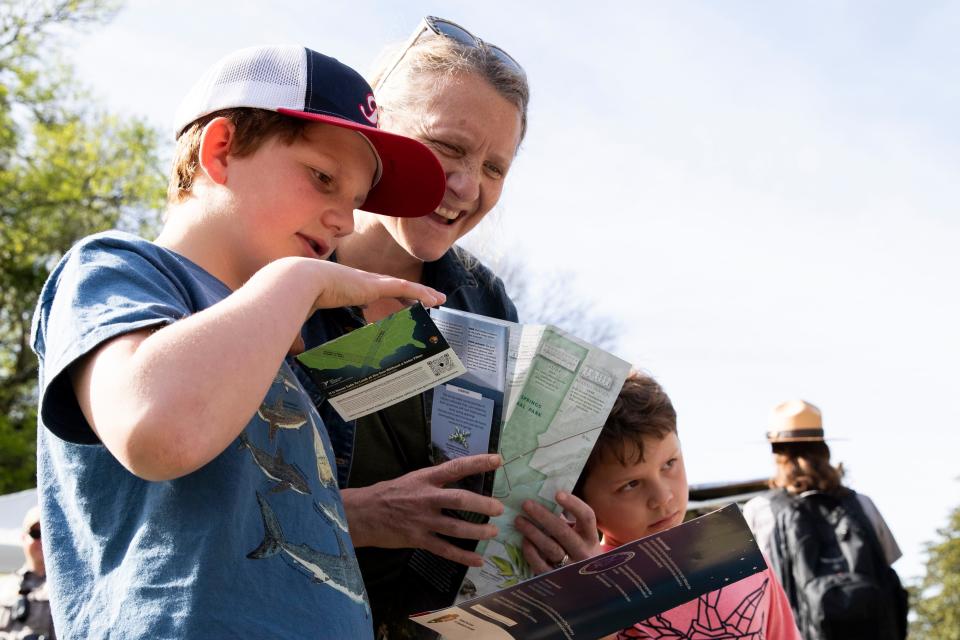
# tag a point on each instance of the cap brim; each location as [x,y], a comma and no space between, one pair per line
[412,183]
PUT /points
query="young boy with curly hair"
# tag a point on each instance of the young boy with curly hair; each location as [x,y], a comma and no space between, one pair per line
[635,484]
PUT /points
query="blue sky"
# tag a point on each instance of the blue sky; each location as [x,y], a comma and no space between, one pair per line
[765,195]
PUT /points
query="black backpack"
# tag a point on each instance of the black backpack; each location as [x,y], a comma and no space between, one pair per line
[833,570]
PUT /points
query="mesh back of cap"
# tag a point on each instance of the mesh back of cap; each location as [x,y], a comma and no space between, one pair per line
[259,77]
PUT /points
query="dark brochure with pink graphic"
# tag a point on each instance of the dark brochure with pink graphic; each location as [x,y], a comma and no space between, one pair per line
[609,592]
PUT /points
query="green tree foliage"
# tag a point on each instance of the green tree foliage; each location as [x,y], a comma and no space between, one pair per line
[937,597]
[67,169]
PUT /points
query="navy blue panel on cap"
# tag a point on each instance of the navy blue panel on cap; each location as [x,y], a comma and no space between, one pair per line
[335,89]
[412,182]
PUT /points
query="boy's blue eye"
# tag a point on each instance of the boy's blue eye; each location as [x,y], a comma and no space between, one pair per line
[630,485]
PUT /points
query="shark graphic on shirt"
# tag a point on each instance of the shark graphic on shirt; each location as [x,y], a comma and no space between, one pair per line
[286,475]
[286,382]
[331,516]
[337,571]
[324,470]
[280,415]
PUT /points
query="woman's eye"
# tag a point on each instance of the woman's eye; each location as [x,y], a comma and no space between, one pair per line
[447,149]
[494,171]
[670,464]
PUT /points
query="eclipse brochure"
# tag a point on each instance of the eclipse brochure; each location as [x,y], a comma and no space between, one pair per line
[612,591]
[382,363]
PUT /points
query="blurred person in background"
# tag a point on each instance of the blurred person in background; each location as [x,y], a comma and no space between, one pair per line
[24,603]
[828,545]
[802,460]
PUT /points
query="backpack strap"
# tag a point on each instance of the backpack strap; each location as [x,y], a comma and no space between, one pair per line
[781,557]
[852,505]
[788,510]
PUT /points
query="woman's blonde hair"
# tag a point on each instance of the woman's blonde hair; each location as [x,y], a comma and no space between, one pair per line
[805,466]
[431,61]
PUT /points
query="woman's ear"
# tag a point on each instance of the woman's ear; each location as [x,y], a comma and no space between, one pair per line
[215,144]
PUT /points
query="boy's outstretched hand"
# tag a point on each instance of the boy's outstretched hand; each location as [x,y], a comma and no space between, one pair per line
[550,541]
[348,287]
[344,286]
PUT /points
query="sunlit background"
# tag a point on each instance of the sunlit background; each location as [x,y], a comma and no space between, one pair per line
[761,198]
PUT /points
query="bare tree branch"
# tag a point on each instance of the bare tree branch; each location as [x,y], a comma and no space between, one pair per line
[551,298]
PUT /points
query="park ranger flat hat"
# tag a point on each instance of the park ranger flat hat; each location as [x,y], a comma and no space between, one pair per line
[795,421]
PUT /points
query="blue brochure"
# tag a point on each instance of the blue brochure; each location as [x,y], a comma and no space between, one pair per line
[467,412]
[461,420]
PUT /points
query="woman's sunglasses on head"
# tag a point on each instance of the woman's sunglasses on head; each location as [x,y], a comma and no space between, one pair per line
[442,27]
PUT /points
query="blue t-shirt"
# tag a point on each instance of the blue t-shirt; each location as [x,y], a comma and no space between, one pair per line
[254,544]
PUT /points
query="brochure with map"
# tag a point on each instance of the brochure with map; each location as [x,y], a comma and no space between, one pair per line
[560,391]
[557,392]
[602,595]
[382,363]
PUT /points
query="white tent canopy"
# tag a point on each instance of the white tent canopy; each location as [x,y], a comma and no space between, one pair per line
[13,507]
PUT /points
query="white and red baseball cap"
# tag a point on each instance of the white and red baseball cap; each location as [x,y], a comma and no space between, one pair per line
[302,83]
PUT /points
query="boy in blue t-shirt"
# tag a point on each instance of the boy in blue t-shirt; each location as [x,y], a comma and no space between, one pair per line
[184,475]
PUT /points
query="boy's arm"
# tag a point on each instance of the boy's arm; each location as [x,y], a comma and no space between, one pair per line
[165,402]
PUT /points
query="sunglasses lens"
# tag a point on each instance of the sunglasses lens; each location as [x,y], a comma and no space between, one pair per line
[464,37]
[506,59]
[452,31]
[35,533]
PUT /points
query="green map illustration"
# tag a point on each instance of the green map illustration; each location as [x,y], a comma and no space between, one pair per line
[367,347]
[535,415]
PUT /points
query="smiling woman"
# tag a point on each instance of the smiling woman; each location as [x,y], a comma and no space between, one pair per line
[474,132]
[466,100]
